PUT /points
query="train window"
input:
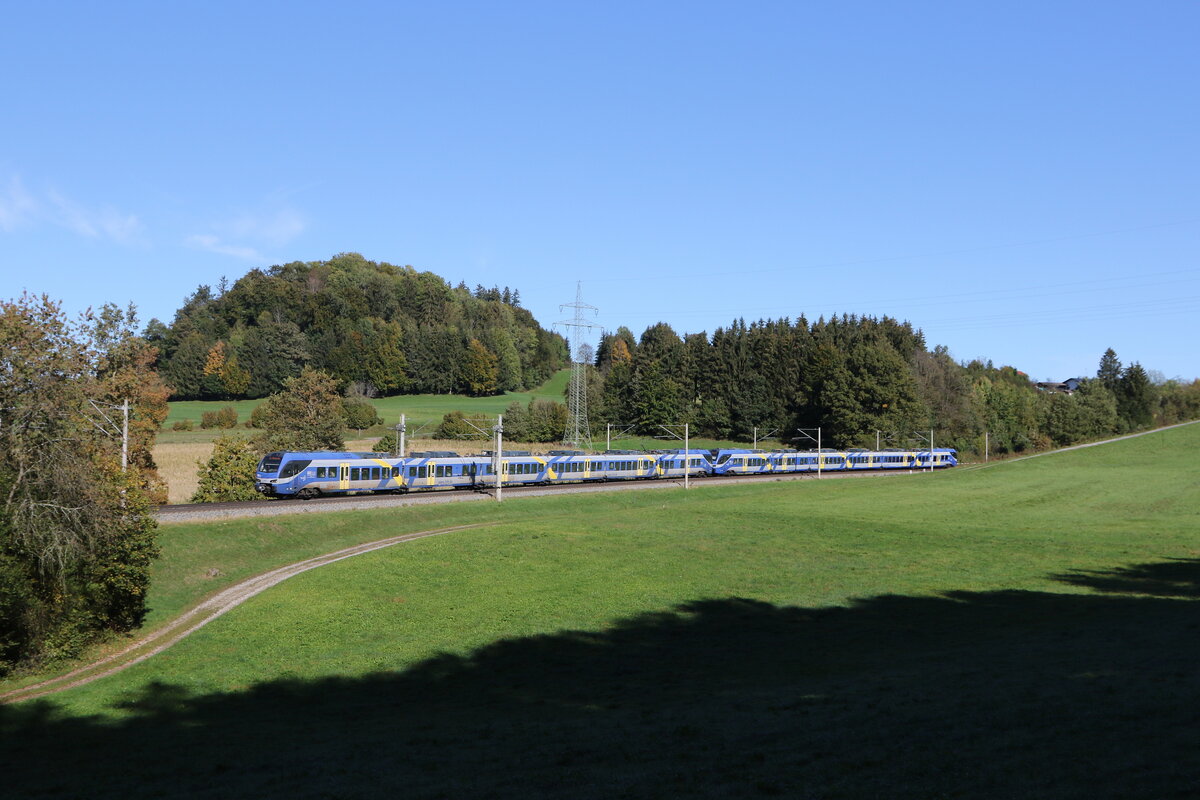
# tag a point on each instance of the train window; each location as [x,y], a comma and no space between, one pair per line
[412,472]
[375,474]
[395,472]
[293,468]
[422,472]
[354,473]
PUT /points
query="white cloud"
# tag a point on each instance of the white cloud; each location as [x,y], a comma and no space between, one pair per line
[277,229]
[107,222]
[244,236]
[20,208]
[215,245]
[17,207]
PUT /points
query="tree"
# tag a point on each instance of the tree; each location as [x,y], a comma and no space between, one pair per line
[478,370]
[228,475]
[1135,397]
[1109,372]
[306,415]
[272,353]
[122,364]
[76,534]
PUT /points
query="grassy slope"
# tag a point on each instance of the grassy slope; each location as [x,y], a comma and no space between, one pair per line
[905,637]
[418,407]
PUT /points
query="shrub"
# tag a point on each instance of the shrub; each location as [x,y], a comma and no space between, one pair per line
[258,417]
[454,426]
[224,418]
[359,413]
[182,425]
[387,443]
[229,473]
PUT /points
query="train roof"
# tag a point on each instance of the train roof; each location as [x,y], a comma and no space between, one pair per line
[323,454]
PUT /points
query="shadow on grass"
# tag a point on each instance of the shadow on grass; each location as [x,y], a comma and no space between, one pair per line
[1002,694]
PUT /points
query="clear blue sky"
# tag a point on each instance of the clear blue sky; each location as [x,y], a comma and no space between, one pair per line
[1017,179]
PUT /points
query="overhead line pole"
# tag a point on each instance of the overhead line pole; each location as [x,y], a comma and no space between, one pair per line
[499,452]
[806,433]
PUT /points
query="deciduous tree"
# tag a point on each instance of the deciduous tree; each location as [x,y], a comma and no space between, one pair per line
[306,415]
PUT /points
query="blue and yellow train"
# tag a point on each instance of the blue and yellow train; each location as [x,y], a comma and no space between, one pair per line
[306,475]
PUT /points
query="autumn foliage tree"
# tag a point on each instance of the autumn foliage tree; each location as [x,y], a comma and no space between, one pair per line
[76,533]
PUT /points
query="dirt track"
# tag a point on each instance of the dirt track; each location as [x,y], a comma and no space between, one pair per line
[191,621]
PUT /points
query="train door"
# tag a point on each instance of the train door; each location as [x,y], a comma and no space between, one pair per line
[343,476]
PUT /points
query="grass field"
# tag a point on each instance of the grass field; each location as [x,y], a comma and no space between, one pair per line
[1023,630]
[421,409]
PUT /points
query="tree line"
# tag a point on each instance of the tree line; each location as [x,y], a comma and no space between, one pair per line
[385,329]
[861,380]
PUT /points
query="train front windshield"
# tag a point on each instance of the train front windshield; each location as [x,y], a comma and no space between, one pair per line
[270,463]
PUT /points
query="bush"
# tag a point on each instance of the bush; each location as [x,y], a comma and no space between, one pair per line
[540,421]
[359,413]
[224,418]
[454,426]
[229,473]
[387,443]
[258,417]
[182,425]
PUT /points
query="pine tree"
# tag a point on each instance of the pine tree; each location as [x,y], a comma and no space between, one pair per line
[1109,372]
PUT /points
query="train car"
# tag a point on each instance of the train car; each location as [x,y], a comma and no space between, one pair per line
[310,474]
[677,463]
[443,470]
[755,462]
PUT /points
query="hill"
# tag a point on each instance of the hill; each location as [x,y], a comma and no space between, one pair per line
[388,329]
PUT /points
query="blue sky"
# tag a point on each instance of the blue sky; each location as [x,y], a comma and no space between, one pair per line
[1019,180]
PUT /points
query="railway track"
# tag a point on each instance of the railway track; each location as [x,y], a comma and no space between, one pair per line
[262,508]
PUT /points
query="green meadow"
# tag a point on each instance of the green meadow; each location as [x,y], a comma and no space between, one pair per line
[419,408]
[1027,629]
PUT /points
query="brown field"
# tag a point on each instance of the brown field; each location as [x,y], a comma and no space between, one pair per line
[178,462]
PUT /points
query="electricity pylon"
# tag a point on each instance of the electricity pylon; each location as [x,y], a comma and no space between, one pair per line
[578,434]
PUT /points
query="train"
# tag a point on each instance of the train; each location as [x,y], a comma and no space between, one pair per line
[313,474]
